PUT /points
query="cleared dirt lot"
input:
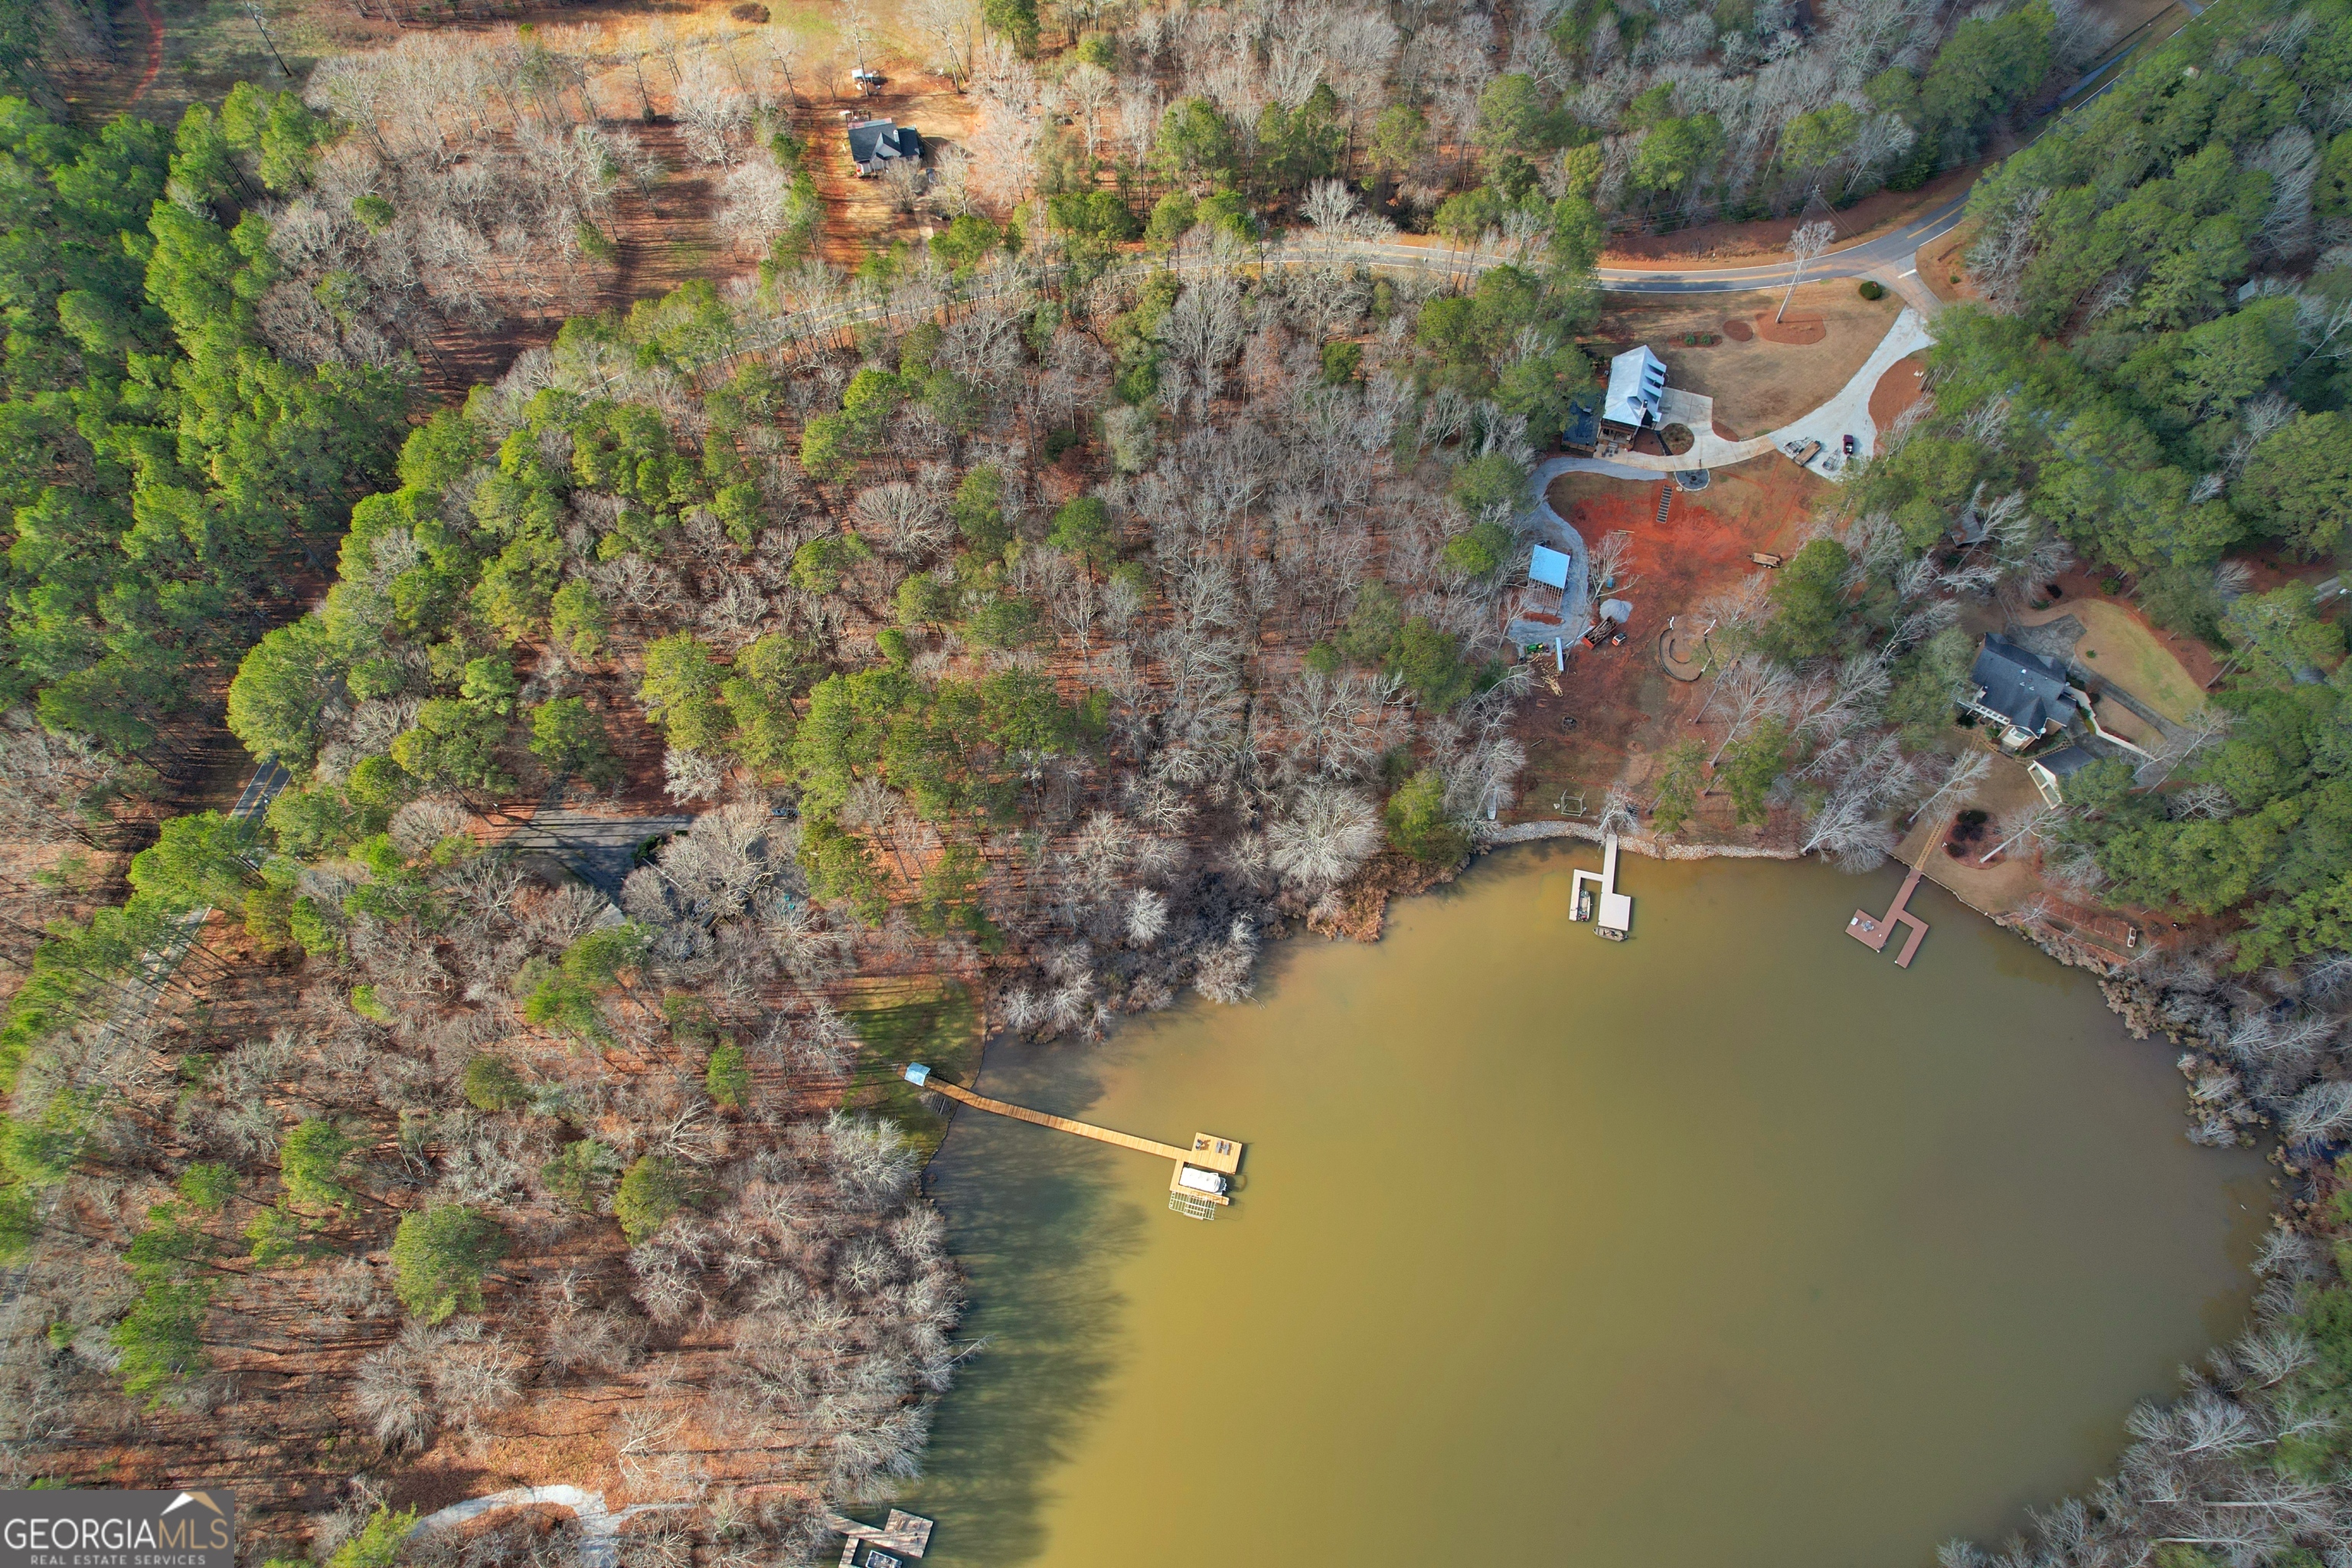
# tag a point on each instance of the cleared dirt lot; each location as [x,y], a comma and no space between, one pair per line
[1628,708]
[859,215]
[1758,385]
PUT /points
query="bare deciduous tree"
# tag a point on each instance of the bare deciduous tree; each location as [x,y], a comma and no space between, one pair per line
[1807,241]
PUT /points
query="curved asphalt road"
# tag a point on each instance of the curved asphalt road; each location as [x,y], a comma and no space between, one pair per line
[1891,251]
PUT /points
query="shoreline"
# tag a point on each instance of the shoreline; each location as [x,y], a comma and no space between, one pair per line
[2139,1070]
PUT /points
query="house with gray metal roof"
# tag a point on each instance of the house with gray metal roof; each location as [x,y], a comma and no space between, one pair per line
[1637,389]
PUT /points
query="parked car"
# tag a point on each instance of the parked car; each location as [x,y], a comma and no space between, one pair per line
[1852,445]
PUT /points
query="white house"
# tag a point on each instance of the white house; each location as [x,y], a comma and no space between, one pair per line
[1637,389]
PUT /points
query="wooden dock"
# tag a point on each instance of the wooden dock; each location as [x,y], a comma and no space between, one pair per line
[1873,930]
[904,1536]
[1190,1192]
[1059,1123]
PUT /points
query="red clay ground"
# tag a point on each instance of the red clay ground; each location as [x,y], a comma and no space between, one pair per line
[1899,389]
[1628,708]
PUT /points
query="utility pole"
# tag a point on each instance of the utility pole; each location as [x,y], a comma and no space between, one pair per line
[252,8]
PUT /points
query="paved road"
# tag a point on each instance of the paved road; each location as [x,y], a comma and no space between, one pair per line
[1890,252]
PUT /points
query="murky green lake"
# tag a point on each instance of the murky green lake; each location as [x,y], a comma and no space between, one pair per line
[1732,1244]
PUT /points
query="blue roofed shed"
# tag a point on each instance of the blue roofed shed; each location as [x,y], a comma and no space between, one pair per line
[1549,566]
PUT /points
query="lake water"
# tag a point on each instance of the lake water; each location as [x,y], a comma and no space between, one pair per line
[1732,1244]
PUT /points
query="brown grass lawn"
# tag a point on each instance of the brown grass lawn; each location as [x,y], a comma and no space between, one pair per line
[2121,647]
[1756,385]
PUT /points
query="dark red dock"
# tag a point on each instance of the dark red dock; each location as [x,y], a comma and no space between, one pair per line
[1873,931]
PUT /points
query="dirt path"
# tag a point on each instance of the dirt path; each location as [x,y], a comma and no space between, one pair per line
[146,9]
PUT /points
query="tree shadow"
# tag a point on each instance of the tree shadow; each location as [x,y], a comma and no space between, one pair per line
[1040,1222]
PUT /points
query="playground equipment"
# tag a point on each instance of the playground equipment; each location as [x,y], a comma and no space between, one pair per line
[1202,1181]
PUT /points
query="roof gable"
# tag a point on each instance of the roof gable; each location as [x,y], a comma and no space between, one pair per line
[880,140]
[2023,688]
[1637,382]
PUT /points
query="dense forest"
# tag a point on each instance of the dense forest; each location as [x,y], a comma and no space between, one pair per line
[1058,607]
[1064,631]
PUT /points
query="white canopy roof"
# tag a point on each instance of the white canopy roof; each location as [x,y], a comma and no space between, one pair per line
[1548,566]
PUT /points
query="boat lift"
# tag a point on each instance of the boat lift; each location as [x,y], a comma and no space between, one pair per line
[1202,1182]
[1614,917]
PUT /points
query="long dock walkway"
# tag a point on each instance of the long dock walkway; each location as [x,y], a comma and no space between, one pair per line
[1061,1123]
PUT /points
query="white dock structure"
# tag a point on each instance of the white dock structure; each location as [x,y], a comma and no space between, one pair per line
[1613,917]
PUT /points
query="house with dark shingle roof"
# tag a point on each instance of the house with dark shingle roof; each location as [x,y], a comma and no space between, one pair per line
[876,144]
[2024,695]
[2050,770]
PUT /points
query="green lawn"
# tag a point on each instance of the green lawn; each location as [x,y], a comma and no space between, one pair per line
[941,1029]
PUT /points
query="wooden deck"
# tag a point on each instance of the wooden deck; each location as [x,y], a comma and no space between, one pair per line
[904,1535]
[1873,930]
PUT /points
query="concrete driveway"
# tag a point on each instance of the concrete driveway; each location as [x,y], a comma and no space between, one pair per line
[1549,528]
[1848,413]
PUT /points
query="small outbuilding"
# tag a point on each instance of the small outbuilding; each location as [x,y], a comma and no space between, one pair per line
[876,144]
[2050,770]
[2023,694]
[1582,433]
[1550,567]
